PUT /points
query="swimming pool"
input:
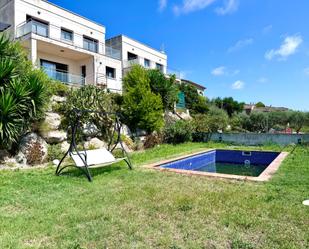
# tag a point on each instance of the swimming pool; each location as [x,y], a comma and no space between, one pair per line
[236,164]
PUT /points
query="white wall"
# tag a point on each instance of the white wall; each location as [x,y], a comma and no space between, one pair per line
[126,44]
[57,18]
[102,62]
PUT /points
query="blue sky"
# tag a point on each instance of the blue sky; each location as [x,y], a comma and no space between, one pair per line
[252,50]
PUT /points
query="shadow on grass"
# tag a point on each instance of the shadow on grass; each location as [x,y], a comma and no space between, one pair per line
[75,172]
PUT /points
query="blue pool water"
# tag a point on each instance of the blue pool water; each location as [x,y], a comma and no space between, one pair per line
[235,162]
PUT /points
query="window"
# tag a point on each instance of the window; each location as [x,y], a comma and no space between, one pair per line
[90,44]
[147,63]
[66,35]
[159,67]
[38,27]
[56,71]
[110,72]
[131,56]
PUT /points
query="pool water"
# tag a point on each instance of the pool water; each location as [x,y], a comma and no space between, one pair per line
[234,169]
[234,162]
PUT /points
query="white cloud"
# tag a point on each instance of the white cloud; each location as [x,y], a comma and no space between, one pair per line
[287,48]
[229,7]
[218,71]
[240,44]
[238,85]
[306,71]
[267,29]
[162,4]
[189,6]
[262,80]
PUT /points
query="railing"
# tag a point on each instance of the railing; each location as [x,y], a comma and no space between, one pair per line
[112,52]
[65,77]
[54,32]
[130,63]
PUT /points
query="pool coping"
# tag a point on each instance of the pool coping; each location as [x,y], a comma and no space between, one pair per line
[266,175]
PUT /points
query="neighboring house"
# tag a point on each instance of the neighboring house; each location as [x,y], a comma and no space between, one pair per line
[200,89]
[72,48]
[249,108]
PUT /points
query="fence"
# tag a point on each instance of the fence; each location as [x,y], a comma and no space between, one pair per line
[260,139]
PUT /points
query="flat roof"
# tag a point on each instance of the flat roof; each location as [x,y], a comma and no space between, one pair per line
[148,46]
[194,84]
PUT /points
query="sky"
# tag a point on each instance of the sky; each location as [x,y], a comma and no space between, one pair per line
[251,50]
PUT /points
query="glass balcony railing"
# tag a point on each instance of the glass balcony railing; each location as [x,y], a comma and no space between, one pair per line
[33,27]
[65,77]
[112,52]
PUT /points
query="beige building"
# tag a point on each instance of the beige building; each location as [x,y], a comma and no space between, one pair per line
[73,49]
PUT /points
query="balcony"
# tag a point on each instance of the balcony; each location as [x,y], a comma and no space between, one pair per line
[33,27]
[65,77]
[112,52]
[55,33]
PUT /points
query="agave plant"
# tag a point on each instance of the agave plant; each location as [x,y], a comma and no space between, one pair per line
[23,93]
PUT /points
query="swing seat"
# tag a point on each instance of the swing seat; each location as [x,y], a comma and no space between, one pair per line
[94,158]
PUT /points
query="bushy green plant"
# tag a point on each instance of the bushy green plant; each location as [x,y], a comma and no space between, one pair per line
[23,93]
[142,109]
[206,124]
[58,88]
[194,102]
[230,105]
[166,87]
[54,152]
[90,98]
[178,132]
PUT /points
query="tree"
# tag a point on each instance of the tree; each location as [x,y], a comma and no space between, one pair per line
[23,93]
[298,120]
[142,109]
[166,87]
[230,105]
[194,102]
[259,122]
[206,124]
[259,105]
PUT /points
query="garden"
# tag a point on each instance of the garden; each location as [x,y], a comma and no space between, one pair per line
[141,208]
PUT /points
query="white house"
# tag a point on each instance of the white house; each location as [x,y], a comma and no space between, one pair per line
[72,48]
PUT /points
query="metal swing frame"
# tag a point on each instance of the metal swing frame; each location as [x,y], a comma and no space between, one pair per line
[75,125]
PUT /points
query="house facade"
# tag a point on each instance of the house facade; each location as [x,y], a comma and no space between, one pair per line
[73,49]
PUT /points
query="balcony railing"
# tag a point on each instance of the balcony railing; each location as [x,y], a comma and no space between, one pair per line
[112,52]
[54,32]
[65,77]
[33,27]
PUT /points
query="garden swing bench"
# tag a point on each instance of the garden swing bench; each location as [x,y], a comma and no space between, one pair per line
[89,159]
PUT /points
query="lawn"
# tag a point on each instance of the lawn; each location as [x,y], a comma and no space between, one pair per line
[149,209]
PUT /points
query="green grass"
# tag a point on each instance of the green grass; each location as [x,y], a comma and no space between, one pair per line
[149,209]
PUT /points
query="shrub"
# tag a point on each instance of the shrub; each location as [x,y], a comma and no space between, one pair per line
[58,88]
[178,132]
[54,152]
[35,154]
[23,93]
[206,124]
[165,87]
[90,98]
[194,102]
[142,109]
[153,140]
